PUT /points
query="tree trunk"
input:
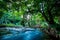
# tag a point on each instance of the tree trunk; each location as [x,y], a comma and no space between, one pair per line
[51,19]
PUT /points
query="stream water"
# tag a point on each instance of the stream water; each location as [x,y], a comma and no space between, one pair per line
[29,34]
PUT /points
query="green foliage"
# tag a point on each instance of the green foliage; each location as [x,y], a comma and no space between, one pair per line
[1,13]
[19,9]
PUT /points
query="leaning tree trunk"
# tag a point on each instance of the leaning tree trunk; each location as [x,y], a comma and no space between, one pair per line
[51,19]
[50,16]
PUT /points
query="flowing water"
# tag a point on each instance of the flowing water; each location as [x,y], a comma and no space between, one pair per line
[18,34]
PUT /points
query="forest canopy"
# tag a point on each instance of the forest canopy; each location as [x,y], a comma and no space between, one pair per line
[28,12]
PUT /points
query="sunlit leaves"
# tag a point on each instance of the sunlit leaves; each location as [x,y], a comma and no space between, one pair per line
[1,0]
[19,8]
